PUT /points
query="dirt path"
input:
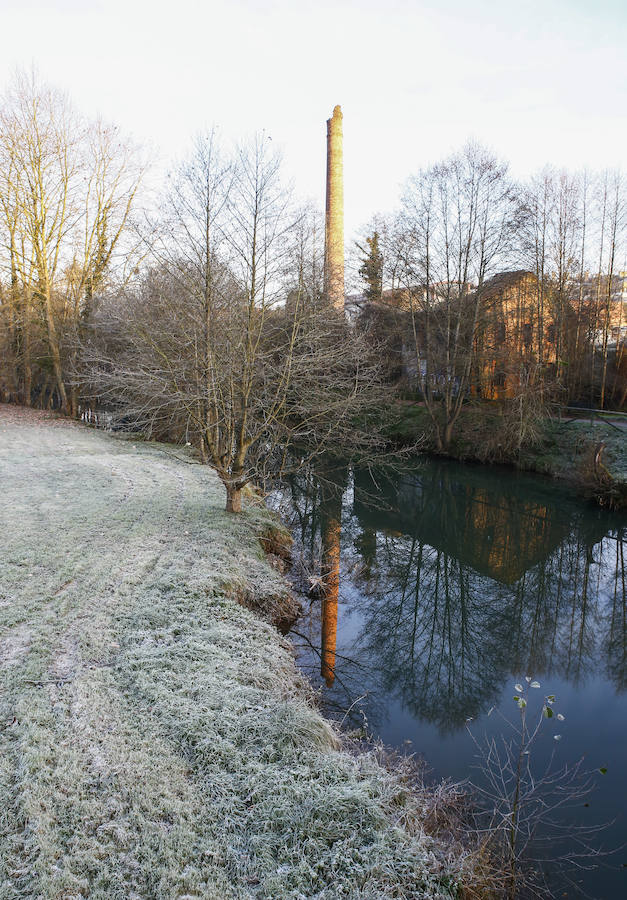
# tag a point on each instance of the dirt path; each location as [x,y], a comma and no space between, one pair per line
[154,739]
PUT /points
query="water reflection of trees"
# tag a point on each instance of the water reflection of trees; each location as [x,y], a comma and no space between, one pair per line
[464,580]
[431,627]
[616,634]
[445,637]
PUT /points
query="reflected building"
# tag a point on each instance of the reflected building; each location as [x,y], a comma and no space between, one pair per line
[487,578]
[501,534]
[504,540]
[455,580]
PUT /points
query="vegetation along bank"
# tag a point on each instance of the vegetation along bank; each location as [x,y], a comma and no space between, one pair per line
[588,451]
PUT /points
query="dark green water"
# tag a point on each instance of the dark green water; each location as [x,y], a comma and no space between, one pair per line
[456,582]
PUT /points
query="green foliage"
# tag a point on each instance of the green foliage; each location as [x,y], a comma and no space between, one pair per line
[371,269]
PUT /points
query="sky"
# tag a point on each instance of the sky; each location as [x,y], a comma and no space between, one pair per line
[537,82]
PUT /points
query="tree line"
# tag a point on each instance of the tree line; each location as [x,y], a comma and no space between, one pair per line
[201,317]
[428,280]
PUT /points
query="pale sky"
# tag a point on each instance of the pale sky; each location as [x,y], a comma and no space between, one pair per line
[538,82]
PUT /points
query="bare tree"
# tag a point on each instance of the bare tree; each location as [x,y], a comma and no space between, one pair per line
[39,135]
[67,186]
[14,318]
[615,207]
[227,342]
[572,241]
[458,219]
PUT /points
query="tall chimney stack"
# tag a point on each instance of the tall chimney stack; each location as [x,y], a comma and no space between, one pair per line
[334,222]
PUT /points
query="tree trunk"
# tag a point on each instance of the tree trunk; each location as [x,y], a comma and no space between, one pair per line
[28,369]
[73,402]
[53,343]
[233,498]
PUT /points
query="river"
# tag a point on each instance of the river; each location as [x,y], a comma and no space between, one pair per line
[448,585]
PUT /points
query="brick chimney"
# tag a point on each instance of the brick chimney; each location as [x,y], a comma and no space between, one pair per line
[334,222]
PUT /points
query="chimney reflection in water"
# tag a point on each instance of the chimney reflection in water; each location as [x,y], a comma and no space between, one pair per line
[331,519]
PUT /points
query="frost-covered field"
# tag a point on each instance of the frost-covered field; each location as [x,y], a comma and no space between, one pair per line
[156,741]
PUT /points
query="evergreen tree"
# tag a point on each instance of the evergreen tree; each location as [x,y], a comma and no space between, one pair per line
[371,269]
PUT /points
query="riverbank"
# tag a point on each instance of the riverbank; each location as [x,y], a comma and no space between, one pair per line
[156,739]
[588,455]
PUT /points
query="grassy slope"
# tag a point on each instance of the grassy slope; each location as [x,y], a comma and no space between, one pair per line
[155,741]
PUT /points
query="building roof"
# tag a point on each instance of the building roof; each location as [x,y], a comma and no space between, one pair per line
[504,280]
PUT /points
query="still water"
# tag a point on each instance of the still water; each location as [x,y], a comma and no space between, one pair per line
[446,586]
